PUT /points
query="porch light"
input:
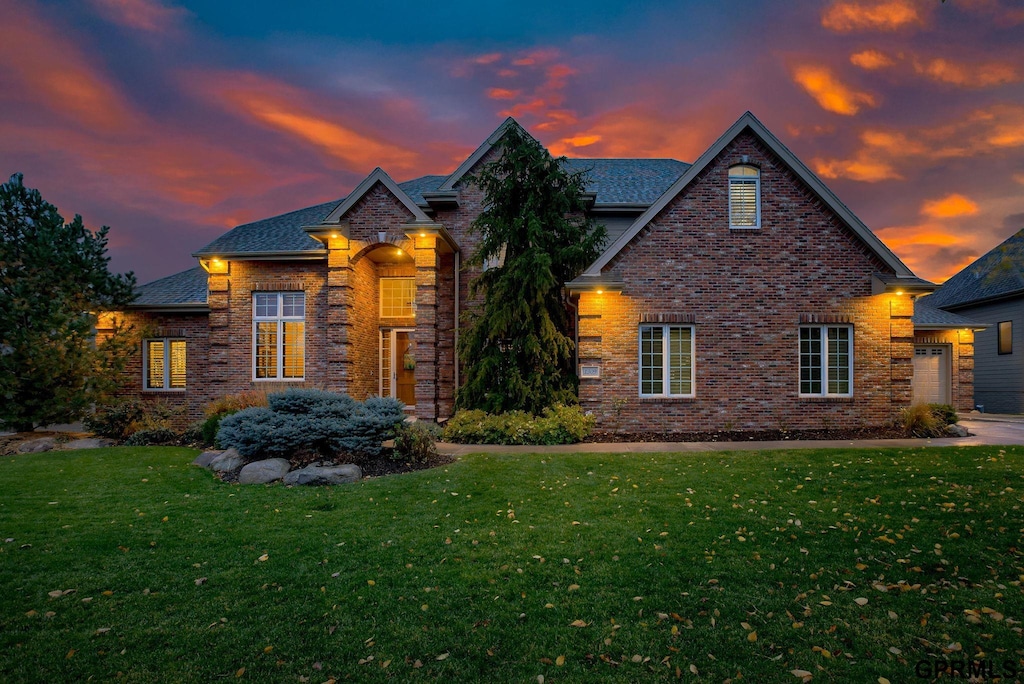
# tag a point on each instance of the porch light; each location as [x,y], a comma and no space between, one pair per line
[216,265]
[398,252]
[899,292]
[334,235]
[600,292]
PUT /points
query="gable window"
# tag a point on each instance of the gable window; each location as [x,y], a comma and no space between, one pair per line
[666,361]
[1005,337]
[744,196]
[397,297]
[163,364]
[279,326]
[826,360]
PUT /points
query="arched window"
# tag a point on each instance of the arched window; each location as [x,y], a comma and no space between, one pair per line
[744,196]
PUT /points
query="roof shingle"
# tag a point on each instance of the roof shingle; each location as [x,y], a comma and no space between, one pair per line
[999,273]
[187,287]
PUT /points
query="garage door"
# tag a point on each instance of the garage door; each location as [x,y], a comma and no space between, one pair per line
[931,375]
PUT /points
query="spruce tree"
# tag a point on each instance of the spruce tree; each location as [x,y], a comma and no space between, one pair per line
[53,282]
[517,349]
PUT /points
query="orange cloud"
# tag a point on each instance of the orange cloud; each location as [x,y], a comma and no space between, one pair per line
[846,16]
[862,168]
[502,94]
[950,206]
[642,131]
[830,93]
[489,58]
[143,15]
[581,140]
[985,75]
[932,251]
[871,60]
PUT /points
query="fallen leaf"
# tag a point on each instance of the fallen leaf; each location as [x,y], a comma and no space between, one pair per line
[752,636]
[200,581]
[442,656]
[560,661]
[573,587]
[418,664]
[102,630]
[264,557]
[240,672]
[860,601]
[883,680]
[577,623]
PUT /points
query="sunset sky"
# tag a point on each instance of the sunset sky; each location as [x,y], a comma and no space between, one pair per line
[172,122]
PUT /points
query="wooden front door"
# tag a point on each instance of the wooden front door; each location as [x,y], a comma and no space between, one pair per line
[398,365]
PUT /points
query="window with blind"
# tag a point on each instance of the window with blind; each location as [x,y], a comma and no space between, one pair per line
[826,360]
[744,196]
[397,297]
[666,361]
[163,364]
[279,327]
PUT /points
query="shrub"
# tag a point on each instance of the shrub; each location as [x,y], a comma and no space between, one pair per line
[557,425]
[232,403]
[415,443]
[153,437]
[211,426]
[919,421]
[311,421]
[193,435]
[116,419]
[944,413]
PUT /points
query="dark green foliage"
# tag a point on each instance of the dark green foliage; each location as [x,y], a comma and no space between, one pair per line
[518,349]
[415,442]
[53,281]
[311,421]
[193,435]
[211,425]
[115,420]
[153,437]
[944,413]
[557,425]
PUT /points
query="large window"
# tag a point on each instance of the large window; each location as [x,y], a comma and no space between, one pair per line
[163,364]
[826,360]
[279,335]
[666,361]
[1005,329]
[397,296]
[744,196]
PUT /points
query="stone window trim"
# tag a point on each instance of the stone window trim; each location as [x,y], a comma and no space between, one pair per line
[164,364]
[278,336]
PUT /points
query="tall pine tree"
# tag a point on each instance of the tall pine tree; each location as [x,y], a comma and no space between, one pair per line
[518,350]
[53,282]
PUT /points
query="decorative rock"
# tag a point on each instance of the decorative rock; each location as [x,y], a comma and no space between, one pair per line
[326,475]
[36,446]
[957,430]
[89,443]
[262,472]
[227,462]
[204,459]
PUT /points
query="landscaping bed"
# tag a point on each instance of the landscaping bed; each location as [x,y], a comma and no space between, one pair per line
[891,432]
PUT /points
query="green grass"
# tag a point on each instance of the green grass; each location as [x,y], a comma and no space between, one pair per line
[477,571]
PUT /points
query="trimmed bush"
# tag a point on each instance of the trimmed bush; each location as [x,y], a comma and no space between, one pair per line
[311,421]
[415,442]
[232,403]
[153,437]
[944,413]
[557,425]
[115,420]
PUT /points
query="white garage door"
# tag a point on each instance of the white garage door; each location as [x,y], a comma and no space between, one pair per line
[931,375]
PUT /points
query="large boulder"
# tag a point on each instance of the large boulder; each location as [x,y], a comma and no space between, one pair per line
[204,459]
[955,430]
[262,472]
[227,462]
[36,446]
[324,475]
[89,443]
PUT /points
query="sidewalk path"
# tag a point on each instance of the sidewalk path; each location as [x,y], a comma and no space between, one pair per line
[989,430]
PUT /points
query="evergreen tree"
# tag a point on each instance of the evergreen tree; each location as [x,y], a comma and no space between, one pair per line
[53,282]
[517,350]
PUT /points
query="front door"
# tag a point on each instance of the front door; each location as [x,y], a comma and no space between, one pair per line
[931,375]
[398,365]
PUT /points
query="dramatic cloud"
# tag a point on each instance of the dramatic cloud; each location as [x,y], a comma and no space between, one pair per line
[964,75]
[829,92]
[142,15]
[950,206]
[871,59]
[932,251]
[846,16]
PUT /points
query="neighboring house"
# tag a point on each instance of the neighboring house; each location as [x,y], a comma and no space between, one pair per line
[734,293]
[992,290]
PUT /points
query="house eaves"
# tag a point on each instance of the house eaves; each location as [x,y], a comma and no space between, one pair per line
[378,175]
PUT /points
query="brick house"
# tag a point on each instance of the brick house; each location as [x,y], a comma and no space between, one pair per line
[736,292]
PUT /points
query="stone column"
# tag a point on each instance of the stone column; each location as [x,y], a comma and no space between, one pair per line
[427,265]
[901,348]
[218,376]
[339,306]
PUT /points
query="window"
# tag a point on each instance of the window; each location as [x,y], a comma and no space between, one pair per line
[495,260]
[666,361]
[279,335]
[744,197]
[163,363]
[826,360]
[397,297]
[1006,337]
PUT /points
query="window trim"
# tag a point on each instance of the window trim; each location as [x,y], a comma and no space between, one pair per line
[824,328]
[380,295]
[999,338]
[166,342]
[737,179]
[280,319]
[665,361]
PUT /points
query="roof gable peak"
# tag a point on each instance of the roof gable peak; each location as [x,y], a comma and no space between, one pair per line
[378,175]
[486,146]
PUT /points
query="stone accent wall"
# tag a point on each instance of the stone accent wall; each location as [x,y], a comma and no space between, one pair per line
[961,343]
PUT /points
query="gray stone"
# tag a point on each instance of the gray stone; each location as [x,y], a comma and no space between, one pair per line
[89,443]
[262,472]
[204,459]
[957,430]
[227,462]
[36,446]
[325,475]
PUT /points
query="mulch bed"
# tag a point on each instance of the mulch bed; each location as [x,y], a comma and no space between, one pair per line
[752,435]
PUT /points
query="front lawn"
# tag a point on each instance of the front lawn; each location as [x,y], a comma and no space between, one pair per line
[129,564]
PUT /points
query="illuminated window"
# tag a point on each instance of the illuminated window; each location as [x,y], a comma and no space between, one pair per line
[1005,337]
[744,197]
[826,360]
[279,326]
[666,361]
[397,297]
[163,364]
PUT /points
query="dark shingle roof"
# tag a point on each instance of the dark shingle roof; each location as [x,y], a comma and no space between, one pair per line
[282,233]
[997,274]
[628,181]
[928,317]
[187,287]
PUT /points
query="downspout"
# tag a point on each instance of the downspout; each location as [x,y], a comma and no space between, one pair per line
[456,350]
[576,334]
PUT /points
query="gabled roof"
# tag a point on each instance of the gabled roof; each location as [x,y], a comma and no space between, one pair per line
[449,183]
[627,182]
[749,122]
[996,275]
[376,176]
[185,290]
[927,317]
[275,235]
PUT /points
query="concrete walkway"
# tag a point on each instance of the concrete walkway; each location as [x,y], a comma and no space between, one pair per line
[985,429]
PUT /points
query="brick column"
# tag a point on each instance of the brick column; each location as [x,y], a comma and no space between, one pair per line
[427,265]
[339,305]
[218,375]
[901,348]
[964,398]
